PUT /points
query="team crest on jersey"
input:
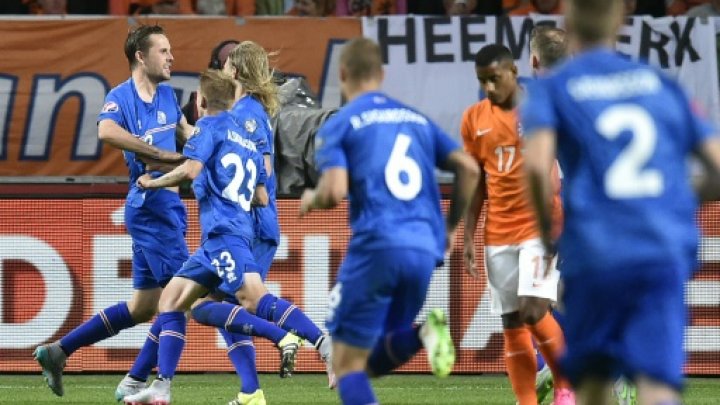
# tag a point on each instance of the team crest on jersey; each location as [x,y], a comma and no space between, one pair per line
[195,131]
[250,125]
[110,106]
[161,118]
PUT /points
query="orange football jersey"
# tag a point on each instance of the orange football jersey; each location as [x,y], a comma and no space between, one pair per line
[490,135]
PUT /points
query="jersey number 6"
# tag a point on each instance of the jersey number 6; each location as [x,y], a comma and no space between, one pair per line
[399,163]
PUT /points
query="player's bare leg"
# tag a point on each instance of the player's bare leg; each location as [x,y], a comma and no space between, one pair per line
[349,363]
[594,391]
[654,392]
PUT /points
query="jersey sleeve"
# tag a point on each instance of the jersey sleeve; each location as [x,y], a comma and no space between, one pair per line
[112,110]
[444,145]
[200,146]
[329,151]
[261,172]
[262,138]
[537,109]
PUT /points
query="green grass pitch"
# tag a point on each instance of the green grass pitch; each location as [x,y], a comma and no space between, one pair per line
[301,389]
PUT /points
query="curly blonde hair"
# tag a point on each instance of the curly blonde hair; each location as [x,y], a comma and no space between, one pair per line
[253,72]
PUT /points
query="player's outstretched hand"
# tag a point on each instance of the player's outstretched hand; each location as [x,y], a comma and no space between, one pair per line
[144,181]
[469,259]
[306,201]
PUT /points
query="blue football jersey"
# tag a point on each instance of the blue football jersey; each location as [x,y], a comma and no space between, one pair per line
[390,152]
[153,122]
[624,131]
[252,116]
[232,169]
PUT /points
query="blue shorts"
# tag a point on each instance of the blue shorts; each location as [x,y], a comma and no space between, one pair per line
[157,229]
[631,324]
[378,291]
[220,264]
[264,253]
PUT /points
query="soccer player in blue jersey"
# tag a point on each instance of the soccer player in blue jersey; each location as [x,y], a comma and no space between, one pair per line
[228,178]
[384,154]
[623,132]
[142,118]
[249,65]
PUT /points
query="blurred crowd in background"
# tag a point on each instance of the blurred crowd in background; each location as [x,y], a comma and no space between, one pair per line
[340,8]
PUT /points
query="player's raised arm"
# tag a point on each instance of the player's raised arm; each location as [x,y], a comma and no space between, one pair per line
[467,175]
[114,135]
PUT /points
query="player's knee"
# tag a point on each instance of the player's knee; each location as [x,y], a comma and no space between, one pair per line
[143,314]
[249,303]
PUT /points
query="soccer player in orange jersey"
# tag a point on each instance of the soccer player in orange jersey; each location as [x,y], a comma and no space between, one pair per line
[515,259]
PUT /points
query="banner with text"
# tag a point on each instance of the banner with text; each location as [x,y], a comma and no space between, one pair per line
[54,76]
[429,62]
[61,261]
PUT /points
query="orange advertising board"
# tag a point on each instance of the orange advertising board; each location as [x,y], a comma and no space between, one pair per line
[54,75]
[63,260]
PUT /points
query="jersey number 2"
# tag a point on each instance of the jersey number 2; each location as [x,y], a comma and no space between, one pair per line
[627,176]
[398,164]
[233,190]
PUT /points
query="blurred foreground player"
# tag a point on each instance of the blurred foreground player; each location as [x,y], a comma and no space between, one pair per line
[623,132]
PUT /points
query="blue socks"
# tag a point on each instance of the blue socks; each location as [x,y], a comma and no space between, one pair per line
[236,319]
[148,356]
[172,342]
[288,317]
[242,354]
[393,350]
[354,389]
[106,323]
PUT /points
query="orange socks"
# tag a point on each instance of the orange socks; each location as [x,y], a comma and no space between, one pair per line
[521,364]
[551,343]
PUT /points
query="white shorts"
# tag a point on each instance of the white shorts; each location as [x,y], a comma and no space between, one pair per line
[518,271]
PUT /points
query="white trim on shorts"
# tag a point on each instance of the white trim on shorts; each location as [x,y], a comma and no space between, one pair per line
[517,271]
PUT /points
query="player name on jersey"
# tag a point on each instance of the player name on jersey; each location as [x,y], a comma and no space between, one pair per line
[237,138]
[386,116]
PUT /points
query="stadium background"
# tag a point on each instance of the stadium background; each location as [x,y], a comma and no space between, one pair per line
[64,252]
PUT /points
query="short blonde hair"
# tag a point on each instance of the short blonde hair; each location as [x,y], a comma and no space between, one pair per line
[593,21]
[253,72]
[217,88]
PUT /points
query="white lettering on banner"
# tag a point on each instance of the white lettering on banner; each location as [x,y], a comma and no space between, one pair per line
[438,295]
[58,291]
[483,325]
[439,53]
[48,96]
[8,87]
[316,276]
[109,289]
